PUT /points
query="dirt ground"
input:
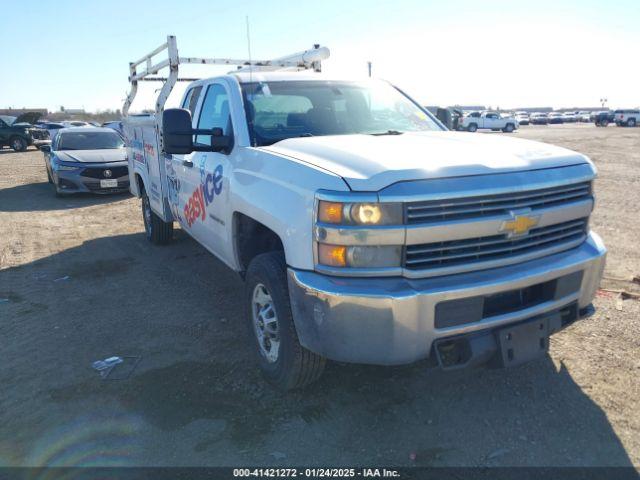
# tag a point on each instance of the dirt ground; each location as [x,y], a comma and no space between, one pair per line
[78,282]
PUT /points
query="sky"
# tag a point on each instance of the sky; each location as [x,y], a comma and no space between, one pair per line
[505,54]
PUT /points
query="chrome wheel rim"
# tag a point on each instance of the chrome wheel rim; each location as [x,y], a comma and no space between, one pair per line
[17,144]
[265,323]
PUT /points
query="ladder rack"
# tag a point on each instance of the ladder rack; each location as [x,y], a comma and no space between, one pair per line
[308,59]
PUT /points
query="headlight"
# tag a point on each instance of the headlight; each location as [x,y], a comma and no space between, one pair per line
[359,256]
[58,165]
[360,213]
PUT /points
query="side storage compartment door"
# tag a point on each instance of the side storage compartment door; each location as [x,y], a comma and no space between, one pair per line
[145,160]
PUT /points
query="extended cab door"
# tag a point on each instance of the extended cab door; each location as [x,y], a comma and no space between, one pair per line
[491,120]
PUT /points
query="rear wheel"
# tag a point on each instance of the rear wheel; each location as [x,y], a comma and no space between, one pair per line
[604,123]
[631,122]
[472,127]
[157,230]
[283,361]
[18,144]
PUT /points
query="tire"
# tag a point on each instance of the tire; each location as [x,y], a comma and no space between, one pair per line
[56,190]
[18,144]
[157,230]
[509,128]
[631,122]
[604,123]
[286,365]
[472,127]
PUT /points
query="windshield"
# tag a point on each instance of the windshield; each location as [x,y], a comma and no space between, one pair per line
[8,119]
[281,110]
[89,141]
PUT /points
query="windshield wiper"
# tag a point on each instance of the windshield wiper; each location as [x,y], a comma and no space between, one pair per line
[388,132]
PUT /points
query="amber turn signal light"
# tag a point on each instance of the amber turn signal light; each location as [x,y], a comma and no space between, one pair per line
[330,212]
[332,255]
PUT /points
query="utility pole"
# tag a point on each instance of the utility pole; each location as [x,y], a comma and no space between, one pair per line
[369,67]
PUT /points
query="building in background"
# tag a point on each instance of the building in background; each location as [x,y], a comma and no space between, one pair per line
[16,112]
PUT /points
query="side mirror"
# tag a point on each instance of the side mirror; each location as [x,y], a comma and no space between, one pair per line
[45,148]
[220,142]
[176,131]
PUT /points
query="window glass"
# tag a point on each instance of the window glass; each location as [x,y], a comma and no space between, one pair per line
[214,113]
[191,100]
[89,141]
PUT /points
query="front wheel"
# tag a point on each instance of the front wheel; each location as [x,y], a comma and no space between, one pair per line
[283,361]
[472,127]
[18,144]
[509,127]
[157,230]
[604,123]
[631,122]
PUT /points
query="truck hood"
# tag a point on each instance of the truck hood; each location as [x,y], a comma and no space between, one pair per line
[371,163]
[93,156]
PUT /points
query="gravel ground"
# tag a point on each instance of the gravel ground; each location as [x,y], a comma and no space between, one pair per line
[78,282]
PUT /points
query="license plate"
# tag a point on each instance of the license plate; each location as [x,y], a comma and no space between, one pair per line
[111,183]
[525,342]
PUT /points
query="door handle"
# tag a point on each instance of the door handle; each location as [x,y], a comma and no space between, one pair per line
[187,163]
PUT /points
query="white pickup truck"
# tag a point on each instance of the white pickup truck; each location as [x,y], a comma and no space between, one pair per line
[363,229]
[627,118]
[487,121]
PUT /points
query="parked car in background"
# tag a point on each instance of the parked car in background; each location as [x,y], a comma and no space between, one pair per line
[584,116]
[75,123]
[89,159]
[603,119]
[568,117]
[52,128]
[116,125]
[487,121]
[522,118]
[627,118]
[539,118]
[555,117]
[19,133]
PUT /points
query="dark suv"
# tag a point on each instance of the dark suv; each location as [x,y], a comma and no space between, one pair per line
[18,134]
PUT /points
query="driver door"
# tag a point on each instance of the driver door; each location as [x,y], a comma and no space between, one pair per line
[206,198]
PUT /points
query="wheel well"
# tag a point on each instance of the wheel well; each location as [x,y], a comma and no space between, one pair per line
[140,183]
[253,238]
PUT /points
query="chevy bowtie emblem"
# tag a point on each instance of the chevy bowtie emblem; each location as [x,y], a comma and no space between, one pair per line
[107,173]
[520,224]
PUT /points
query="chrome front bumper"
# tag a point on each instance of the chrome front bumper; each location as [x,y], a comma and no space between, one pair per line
[390,321]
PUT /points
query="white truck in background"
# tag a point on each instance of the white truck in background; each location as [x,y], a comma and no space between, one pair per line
[363,229]
[487,121]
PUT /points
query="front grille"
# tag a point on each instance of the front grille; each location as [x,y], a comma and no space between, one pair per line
[495,247]
[38,134]
[95,172]
[433,211]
